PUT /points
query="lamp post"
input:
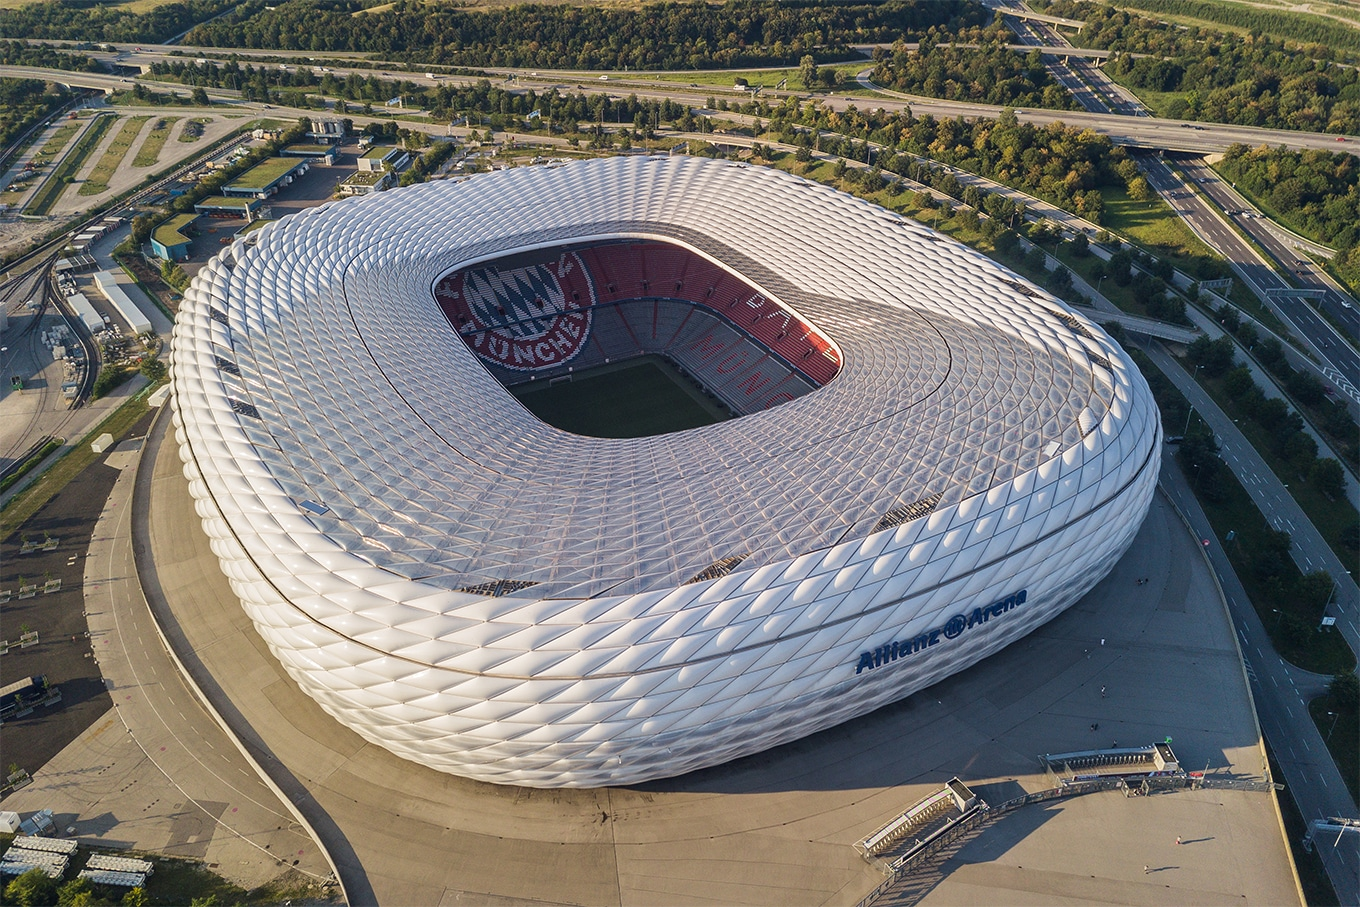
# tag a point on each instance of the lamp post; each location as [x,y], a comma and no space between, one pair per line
[1278,616]
[1335,715]
[1099,282]
[1185,430]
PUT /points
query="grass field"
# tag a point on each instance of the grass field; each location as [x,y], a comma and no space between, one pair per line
[59,139]
[633,399]
[47,196]
[150,152]
[763,78]
[1153,225]
[112,159]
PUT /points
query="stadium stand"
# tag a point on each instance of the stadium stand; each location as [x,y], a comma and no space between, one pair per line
[568,310]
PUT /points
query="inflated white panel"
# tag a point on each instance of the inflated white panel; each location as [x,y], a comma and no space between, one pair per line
[966,475]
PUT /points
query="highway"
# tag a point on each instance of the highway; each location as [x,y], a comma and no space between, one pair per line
[1339,304]
[1209,224]
[1273,499]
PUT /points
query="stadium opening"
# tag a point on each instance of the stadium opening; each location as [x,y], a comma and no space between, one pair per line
[630,338]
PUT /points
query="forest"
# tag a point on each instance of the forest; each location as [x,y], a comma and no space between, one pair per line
[975,65]
[75,20]
[1249,80]
[689,35]
[24,102]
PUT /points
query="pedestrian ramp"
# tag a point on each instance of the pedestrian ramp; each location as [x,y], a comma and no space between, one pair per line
[1152,327]
[952,801]
[1087,765]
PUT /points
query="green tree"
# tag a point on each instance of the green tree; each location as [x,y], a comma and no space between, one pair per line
[1215,356]
[32,889]
[142,225]
[1237,382]
[200,97]
[1139,190]
[807,72]
[135,897]
[1345,690]
[79,893]
[153,368]
[1350,535]
[1120,267]
[1329,478]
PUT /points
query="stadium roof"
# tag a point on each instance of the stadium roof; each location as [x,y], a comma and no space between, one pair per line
[388,492]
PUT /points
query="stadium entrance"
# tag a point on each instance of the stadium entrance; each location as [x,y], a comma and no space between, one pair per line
[628,339]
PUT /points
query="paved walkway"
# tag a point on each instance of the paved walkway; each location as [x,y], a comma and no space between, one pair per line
[775,828]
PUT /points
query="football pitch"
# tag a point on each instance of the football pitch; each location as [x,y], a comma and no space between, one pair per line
[633,399]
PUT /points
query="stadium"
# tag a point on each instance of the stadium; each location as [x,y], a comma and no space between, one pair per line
[594,474]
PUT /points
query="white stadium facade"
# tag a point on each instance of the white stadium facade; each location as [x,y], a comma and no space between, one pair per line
[925,458]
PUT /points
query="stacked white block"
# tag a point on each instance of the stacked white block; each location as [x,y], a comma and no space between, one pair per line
[492,597]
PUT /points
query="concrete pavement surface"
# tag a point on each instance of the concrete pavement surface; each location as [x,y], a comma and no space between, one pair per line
[156,772]
[778,827]
[1020,866]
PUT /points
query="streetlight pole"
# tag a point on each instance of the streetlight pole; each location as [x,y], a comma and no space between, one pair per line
[1185,430]
[1335,715]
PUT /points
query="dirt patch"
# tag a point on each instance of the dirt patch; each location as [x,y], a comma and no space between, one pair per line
[15,234]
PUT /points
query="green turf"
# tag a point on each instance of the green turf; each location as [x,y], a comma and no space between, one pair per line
[635,399]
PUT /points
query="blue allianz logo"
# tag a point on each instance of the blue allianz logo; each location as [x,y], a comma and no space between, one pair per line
[953,628]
